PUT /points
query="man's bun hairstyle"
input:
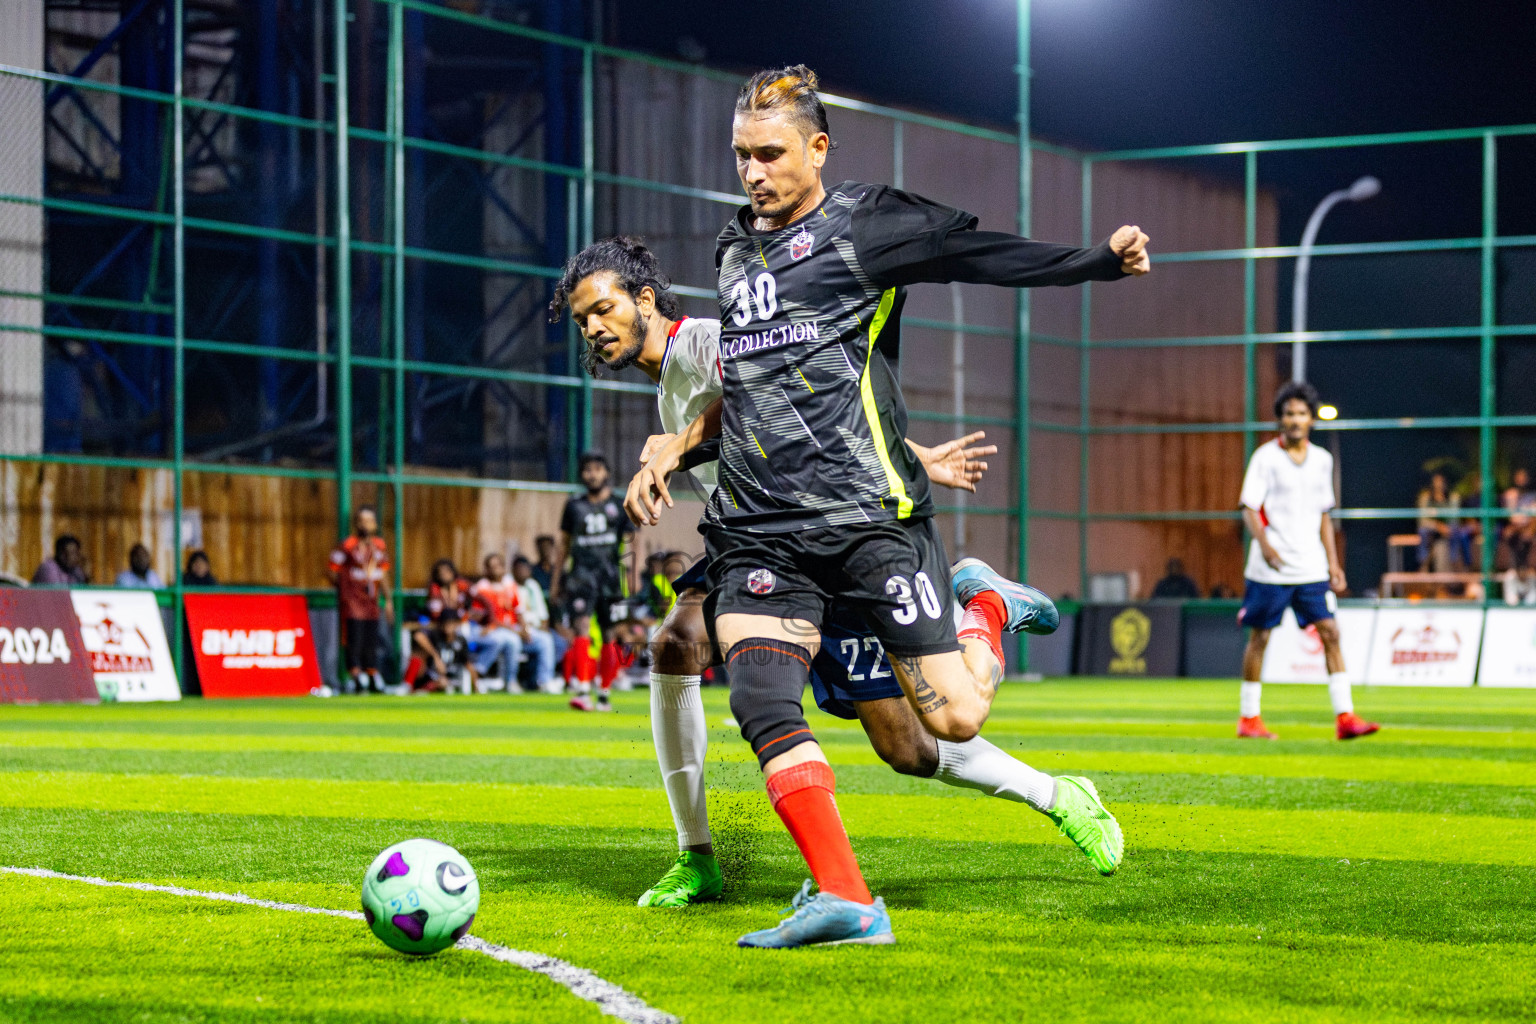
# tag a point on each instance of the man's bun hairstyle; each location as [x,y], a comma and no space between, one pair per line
[1296,389]
[793,89]
[629,260]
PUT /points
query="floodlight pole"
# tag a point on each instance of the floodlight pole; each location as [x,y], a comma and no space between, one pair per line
[1021,326]
[1363,188]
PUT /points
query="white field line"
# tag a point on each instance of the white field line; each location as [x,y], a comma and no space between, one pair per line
[582,983]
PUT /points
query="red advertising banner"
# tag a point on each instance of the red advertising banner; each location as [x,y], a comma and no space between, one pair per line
[41,655]
[252,645]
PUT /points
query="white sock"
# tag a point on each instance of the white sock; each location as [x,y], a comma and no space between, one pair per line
[1248,698]
[682,738]
[977,764]
[1338,692]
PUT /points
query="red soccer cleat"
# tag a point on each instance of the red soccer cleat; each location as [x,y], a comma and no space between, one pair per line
[581,703]
[1253,729]
[1349,725]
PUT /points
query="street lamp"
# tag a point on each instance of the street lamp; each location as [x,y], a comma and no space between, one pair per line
[1363,188]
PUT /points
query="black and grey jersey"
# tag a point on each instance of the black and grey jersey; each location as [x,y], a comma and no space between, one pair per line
[814,426]
[597,530]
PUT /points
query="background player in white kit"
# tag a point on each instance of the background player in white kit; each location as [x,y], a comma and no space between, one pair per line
[619,299]
[1293,560]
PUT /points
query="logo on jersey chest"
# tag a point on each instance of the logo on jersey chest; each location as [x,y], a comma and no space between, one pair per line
[800,245]
[761,582]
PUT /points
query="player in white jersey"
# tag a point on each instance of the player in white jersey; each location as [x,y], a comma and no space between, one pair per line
[1293,560]
[619,299]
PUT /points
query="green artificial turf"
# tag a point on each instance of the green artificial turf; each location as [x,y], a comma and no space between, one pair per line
[1389,879]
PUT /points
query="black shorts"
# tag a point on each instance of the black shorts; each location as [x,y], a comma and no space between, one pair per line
[362,645]
[587,593]
[893,575]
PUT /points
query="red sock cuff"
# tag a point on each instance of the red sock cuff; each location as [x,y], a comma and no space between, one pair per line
[805,775]
[984,619]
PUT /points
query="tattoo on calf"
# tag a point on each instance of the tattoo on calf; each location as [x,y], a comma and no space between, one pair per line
[923,694]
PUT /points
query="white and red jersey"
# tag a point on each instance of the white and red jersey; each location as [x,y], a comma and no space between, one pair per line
[1290,498]
[500,598]
[690,381]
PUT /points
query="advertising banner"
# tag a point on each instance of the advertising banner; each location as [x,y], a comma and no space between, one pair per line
[41,656]
[125,637]
[1295,655]
[1509,648]
[252,645]
[1425,647]
[1129,640]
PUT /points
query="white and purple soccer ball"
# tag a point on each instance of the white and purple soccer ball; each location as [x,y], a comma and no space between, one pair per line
[420,896]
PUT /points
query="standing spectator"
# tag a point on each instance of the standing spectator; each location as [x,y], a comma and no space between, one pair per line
[1519,539]
[66,567]
[546,645]
[359,568]
[544,571]
[140,572]
[1177,583]
[199,571]
[1444,542]
[500,633]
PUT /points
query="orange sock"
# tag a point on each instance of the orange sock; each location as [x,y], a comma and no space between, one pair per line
[984,619]
[802,796]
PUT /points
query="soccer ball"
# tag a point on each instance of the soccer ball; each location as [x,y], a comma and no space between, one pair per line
[420,896]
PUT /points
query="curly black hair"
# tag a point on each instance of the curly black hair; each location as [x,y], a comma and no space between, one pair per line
[629,260]
[1295,389]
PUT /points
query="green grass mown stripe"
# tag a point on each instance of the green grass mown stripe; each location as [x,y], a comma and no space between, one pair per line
[1256,791]
[1445,838]
[853,751]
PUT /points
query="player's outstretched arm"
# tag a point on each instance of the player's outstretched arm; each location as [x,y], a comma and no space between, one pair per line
[903,239]
[648,490]
[956,463]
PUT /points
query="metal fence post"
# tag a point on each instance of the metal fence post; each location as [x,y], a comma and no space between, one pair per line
[1021,328]
[1488,394]
[179,322]
[343,316]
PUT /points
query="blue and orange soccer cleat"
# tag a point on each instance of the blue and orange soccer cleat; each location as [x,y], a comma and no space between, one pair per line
[825,920]
[1029,610]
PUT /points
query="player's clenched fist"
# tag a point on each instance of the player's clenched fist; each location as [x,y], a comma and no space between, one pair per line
[1129,242]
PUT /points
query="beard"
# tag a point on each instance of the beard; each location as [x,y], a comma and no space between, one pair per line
[592,359]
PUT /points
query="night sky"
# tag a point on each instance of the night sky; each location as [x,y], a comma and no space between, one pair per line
[1114,74]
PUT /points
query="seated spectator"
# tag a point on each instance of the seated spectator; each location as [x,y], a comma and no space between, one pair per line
[544,571]
[1518,540]
[497,631]
[447,591]
[1445,543]
[546,646]
[656,587]
[140,574]
[440,657]
[66,567]
[199,571]
[1176,584]
[1223,592]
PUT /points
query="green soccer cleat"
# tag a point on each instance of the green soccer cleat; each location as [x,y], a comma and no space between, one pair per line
[692,878]
[1083,818]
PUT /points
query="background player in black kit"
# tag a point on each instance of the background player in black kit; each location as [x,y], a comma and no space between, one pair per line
[591,577]
[820,497]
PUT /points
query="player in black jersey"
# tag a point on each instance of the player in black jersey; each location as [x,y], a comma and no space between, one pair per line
[820,497]
[593,531]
